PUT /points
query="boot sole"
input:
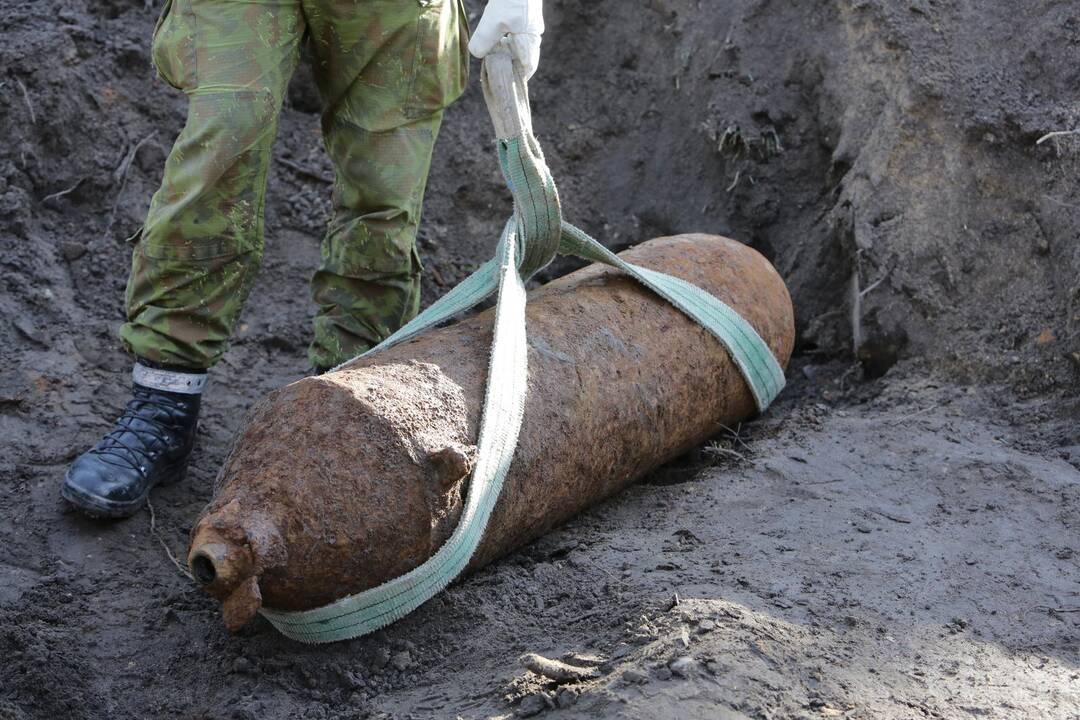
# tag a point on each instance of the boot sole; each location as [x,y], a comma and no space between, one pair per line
[100,507]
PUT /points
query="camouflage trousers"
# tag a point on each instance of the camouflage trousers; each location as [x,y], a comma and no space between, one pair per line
[385,70]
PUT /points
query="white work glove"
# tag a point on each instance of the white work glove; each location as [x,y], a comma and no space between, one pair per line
[522,21]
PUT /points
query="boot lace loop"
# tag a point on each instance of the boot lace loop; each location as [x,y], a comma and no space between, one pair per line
[131,444]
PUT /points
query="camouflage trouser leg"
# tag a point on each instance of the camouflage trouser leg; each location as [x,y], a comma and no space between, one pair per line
[203,237]
[385,76]
[386,69]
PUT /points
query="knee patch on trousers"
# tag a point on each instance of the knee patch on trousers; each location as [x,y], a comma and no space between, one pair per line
[173,47]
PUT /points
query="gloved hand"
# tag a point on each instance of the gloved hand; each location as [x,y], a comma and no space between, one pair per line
[522,20]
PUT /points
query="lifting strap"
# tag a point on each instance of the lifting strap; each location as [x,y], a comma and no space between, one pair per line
[529,241]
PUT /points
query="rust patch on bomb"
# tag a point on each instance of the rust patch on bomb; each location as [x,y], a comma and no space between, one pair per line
[239,608]
[344,481]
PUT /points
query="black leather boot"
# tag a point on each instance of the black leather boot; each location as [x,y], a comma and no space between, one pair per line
[149,445]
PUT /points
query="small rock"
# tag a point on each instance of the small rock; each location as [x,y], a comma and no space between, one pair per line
[922,7]
[633,675]
[72,250]
[402,660]
[354,679]
[663,672]
[381,658]
[956,625]
[683,666]
[683,638]
[1064,554]
[686,537]
[533,705]
[307,679]
[706,626]
[1045,337]
[27,327]
[242,665]
[566,697]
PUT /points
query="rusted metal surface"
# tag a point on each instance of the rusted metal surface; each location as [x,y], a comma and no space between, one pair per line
[343,481]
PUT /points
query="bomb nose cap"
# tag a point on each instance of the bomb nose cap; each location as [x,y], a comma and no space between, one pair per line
[203,565]
[217,564]
[227,572]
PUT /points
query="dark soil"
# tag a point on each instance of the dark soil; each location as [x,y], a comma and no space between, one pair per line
[896,538]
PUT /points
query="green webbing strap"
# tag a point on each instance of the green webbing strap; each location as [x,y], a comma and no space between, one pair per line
[752,356]
[528,242]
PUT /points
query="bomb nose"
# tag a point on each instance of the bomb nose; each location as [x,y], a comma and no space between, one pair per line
[217,564]
[212,561]
[202,566]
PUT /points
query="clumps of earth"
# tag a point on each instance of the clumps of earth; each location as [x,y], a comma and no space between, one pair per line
[895,538]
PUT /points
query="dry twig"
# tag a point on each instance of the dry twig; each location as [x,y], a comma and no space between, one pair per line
[735,434]
[29,105]
[735,181]
[305,172]
[857,293]
[856,312]
[1062,203]
[1056,133]
[715,449]
[873,286]
[910,415]
[156,534]
[120,175]
[62,193]
[894,518]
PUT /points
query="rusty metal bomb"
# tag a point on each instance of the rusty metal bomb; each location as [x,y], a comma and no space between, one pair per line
[342,481]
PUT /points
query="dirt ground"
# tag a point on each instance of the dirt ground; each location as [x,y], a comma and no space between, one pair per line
[896,538]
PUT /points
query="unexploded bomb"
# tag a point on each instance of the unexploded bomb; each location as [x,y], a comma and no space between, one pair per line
[343,481]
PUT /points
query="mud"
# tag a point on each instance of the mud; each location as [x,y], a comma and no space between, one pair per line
[858,143]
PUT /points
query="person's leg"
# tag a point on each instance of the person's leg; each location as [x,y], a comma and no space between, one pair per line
[201,242]
[386,71]
[203,237]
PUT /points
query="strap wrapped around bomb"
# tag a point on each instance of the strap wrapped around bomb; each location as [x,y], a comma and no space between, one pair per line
[243,553]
